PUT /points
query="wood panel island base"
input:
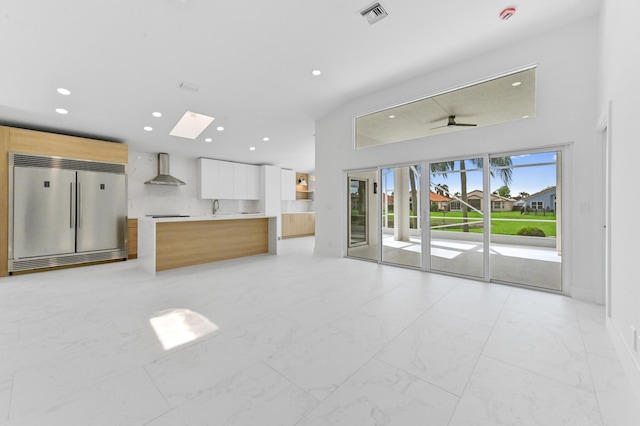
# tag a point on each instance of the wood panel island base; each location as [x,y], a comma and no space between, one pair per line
[169,243]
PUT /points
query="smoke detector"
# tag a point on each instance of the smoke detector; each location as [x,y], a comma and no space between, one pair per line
[374,13]
[507,13]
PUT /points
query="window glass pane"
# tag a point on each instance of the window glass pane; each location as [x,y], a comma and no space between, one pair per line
[362,213]
[503,99]
[401,232]
[456,214]
[525,237]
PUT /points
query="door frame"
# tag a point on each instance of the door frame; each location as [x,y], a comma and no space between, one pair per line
[366,217]
[605,151]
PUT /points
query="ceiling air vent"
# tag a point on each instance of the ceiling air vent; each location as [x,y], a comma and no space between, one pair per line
[374,13]
[190,87]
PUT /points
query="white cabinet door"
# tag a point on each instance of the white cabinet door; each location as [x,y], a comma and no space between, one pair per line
[226,180]
[240,181]
[288,184]
[253,182]
[208,178]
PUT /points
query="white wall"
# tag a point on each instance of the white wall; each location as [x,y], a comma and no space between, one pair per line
[620,86]
[161,199]
[566,114]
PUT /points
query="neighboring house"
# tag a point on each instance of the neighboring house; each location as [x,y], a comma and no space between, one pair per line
[475,199]
[440,202]
[543,200]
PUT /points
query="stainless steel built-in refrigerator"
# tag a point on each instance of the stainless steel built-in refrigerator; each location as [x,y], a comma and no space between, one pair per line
[64,211]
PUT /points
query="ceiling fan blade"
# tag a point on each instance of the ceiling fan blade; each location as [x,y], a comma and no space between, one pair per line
[451,122]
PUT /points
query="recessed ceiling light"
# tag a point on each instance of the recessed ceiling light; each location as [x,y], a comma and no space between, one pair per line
[156,114]
[316,72]
[64,91]
[253,148]
[219,128]
[191,125]
[525,116]
[61,111]
[392,116]
[516,83]
[208,140]
[265,139]
[148,128]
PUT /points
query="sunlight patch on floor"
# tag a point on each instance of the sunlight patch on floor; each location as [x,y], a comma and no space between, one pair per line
[176,327]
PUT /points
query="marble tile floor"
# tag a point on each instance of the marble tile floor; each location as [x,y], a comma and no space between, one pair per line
[300,339]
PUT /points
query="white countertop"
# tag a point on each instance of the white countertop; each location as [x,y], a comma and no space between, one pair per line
[208,217]
[297,212]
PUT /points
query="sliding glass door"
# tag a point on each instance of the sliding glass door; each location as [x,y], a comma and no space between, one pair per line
[525,219]
[362,221]
[401,230]
[457,217]
[491,217]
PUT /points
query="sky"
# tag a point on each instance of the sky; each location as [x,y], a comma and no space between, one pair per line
[524,179]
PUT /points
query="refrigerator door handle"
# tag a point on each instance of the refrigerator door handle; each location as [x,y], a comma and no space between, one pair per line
[70,204]
[79,205]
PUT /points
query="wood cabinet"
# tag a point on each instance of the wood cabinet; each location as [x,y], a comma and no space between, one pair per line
[298,225]
[288,184]
[227,180]
[302,191]
[132,238]
[175,243]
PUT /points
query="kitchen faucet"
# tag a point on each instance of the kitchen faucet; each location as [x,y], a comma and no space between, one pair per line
[215,206]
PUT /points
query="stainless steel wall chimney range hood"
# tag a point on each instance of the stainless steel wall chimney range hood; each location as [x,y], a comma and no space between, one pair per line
[164,178]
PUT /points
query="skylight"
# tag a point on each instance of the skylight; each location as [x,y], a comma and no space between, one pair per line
[191,125]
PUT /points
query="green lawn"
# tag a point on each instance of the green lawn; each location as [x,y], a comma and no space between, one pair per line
[517,221]
[508,227]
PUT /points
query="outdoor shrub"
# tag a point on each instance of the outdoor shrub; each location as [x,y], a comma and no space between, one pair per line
[530,231]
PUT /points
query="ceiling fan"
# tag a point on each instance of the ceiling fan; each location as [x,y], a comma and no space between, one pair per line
[452,123]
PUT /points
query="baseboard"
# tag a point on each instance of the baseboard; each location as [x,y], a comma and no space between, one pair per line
[625,354]
[583,294]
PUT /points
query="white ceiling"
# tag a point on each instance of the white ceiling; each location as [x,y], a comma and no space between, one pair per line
[252,62]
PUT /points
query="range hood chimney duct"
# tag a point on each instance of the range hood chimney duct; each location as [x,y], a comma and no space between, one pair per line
[164,178]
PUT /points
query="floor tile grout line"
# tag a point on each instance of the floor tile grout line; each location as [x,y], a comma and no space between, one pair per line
[13,380]
[519,367]
[481,354]
[319,402]
[584,346]
[155,385]
[417,377]
[93,384]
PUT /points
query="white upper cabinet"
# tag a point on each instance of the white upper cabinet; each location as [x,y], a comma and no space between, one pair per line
[240,181]
[288,184]
[208,179]
[253,186]
[228,181]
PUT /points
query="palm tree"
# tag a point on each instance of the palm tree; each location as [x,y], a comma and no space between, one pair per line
[501,164]
[414,191]
[442,189]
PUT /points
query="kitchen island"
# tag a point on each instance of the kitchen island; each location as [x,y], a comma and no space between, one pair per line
[174,242]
